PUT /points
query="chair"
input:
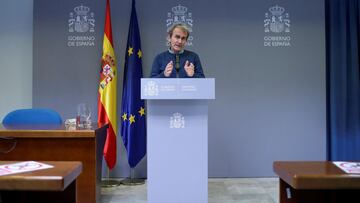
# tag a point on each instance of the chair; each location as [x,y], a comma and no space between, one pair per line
[34,116]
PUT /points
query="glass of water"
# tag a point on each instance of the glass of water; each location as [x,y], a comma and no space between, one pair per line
[83,117]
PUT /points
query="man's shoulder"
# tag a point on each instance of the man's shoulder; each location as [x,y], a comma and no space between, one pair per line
[162,54]
[190,53]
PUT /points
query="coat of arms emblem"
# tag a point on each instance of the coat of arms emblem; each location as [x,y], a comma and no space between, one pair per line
[108,72]
[81,20]
[177,120]
[151,89]
[277,20]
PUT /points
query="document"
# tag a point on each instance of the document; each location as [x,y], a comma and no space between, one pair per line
[348,167]
[21,167]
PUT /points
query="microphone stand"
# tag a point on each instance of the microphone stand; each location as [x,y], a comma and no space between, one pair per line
[177,64]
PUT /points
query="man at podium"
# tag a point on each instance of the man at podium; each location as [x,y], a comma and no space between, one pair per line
[177,62]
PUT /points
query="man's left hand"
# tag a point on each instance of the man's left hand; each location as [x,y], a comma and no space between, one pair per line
[189,68]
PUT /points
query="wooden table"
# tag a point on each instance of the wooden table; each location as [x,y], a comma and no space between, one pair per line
[54,185]
[56,143]
[315,182]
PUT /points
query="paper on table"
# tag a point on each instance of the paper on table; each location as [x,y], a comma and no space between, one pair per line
[348,167]
[21,167]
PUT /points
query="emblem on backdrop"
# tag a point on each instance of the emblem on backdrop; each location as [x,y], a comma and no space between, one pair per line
[180,14]
[277,27]
[81,22]
[277,20]
[151,89]
[177,120]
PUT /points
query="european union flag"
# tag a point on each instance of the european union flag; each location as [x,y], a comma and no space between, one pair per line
[133,128]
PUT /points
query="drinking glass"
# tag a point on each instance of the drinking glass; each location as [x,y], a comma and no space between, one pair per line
[83,117]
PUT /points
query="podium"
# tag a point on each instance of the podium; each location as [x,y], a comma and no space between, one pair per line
[177,138]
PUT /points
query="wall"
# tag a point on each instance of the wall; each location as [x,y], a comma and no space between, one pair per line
[16,24]
[270,100]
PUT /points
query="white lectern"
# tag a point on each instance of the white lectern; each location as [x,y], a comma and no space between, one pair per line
[177,138]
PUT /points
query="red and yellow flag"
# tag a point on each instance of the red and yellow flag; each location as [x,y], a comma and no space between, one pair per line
[107,91]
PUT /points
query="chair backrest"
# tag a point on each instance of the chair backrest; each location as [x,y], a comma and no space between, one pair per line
[35,116]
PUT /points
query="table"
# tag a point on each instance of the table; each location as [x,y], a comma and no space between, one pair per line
[315,181]
[56,143]
[55,185]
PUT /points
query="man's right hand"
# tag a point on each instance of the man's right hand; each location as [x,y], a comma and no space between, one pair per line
[168,69]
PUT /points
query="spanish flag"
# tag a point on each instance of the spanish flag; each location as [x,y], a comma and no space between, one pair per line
[107,91]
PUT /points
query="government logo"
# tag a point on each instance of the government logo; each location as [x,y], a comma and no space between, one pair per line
[81,27]
[277,20]
[277,27]
[151,89]
[81,20]
[177,120]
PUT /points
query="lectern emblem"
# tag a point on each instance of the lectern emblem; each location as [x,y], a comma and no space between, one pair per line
[151,89]
[177,120]
[81,21]
[277,20]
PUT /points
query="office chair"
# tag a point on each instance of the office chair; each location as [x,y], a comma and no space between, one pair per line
[34,116]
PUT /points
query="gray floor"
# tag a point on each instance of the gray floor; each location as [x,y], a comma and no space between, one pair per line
[221,190]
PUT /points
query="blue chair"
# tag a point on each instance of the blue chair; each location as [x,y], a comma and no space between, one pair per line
[34,116]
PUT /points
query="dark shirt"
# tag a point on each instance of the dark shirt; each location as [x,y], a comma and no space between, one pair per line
[164,58]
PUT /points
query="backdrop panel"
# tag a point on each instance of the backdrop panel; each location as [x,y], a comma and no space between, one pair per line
[268,58]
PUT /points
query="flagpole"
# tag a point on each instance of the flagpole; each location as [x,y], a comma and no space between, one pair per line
[107,182]
[132,181]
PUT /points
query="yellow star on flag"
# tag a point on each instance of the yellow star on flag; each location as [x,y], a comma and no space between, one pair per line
[124,116]
[139,53]
[132,119]
[141,111]
[130,51]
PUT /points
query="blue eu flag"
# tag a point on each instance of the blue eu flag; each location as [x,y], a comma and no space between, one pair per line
[133,128]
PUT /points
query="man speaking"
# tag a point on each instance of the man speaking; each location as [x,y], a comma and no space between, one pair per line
[177,62]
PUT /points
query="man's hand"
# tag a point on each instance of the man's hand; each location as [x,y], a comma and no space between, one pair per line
[168,69]
[189,68]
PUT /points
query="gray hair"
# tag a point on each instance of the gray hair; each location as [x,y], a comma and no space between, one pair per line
[182,27]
